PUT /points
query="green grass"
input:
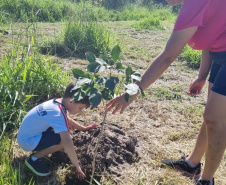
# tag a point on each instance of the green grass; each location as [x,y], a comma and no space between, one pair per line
[164,94]
[25,80]
[154,20]
[80,37]
[192,57]
[9,173]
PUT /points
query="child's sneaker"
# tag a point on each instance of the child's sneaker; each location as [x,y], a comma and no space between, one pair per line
[181,166]
[38,167]
[204,182]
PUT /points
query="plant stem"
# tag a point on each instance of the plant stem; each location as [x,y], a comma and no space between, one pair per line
[96,148]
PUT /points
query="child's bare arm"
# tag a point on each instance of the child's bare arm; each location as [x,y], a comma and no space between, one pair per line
[69,149]
[75,125]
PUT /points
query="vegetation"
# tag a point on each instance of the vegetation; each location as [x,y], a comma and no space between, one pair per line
[192,57]
[100,86]
[24,81]
[79,37]
[154,19]
[27,77]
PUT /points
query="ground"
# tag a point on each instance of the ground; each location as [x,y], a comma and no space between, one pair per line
[165,122]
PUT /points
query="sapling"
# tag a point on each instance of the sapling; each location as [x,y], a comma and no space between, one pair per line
[100,84]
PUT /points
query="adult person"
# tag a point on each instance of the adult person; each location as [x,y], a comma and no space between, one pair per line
[202,25]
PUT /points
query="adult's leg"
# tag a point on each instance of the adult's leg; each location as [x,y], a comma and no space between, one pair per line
[200,145]
[215,119]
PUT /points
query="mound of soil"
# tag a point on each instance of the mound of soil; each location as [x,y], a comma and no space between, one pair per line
[117,150]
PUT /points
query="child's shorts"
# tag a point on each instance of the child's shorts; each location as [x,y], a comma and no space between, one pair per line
[218,72]
[49,138]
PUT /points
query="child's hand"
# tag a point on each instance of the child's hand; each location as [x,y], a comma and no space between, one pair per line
[92,126]
[79,173]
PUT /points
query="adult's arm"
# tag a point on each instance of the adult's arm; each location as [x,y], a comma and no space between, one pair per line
[175,44]
[198,83]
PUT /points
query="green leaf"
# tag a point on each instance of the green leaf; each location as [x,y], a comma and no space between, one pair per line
[92,91]
[141,91]
[86,88]
[101,80]
[132,89]
[95,67]
[115,53]
[79,95]
[78,73]
[100,61]
[106,94]
[90,57]
[136,76]
[128,79]
[127,97]
[119,65]
[95,99]
[82,81]
[129,71]
[111,62]
[110,83]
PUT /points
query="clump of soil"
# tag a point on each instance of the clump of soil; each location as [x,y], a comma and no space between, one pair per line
[117,150]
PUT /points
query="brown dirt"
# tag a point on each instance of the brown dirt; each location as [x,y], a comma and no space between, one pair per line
[116,152]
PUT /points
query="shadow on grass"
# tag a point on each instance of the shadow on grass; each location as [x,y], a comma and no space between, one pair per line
[29,178]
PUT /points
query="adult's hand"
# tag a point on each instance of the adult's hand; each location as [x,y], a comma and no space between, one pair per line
[196,86]
[119,103]
[175,2]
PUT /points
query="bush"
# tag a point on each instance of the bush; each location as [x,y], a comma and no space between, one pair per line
[24,82]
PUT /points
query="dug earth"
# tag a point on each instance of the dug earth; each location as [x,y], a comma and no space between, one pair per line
[116,152]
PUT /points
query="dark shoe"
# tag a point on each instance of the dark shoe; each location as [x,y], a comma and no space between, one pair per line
[203,182]
[181,166]
[38,167]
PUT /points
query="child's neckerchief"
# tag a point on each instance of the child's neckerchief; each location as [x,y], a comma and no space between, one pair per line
[60,104]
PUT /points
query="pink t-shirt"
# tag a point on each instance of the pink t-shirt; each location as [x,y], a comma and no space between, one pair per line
[210,17]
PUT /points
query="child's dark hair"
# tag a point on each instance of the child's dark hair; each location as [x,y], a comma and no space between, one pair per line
[69,94]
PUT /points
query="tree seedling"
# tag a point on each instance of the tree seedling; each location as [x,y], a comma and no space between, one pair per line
[100,84]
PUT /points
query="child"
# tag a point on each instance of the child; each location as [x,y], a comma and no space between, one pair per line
[45,130]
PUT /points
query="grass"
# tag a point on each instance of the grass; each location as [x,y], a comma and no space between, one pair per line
[25,80]
[192,57]
[80,37]
[7,170]
[154,20]
[164,94]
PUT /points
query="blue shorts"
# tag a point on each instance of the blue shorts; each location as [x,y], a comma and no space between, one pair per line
[49,138]
[218,72]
